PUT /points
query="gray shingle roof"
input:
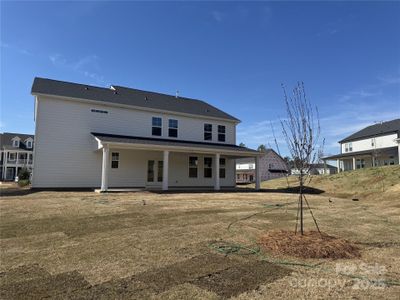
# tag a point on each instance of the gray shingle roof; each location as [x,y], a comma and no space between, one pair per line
[128,96]
[364,152]
[6,140]
[113,138]
[375,130]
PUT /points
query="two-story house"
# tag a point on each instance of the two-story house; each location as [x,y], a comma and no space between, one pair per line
[272,166]
[16,152]
[118,137]
[375,145]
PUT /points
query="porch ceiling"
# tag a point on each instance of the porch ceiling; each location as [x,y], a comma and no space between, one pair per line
[362,153]
[158,144]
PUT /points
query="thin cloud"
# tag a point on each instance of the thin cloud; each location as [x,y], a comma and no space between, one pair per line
[87,66]
[17,49]
[217,15]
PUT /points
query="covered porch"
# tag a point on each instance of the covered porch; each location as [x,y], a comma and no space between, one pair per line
[133,163]
[365,159]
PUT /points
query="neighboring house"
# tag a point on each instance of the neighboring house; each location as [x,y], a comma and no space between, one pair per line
[375,145]
[272,165]
[89,136]
[16,152]
[317,169]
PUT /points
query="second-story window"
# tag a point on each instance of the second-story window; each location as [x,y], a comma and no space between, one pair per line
[372,142]
[221,133]
[16,143]
[156,126]
[29,144]
[172,128]
[348,147]
[208,132]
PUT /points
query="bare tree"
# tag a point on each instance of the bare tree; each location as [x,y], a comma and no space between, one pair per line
[301,130]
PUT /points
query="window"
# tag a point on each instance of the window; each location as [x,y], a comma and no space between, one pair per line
[348,147]
[221,133]
[30,158]
[29,144]
[160,168]
[172,128]
[207,167]
[114,160]
[150,171]
[99,111]
[360,164]
[193,162]
[12,156]
[222,165]
[372,142]
[208,132]
[16,143]
[157,126]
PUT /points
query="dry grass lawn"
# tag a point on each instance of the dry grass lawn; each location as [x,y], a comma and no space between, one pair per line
[192,245]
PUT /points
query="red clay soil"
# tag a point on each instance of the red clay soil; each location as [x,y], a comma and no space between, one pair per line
[310,245]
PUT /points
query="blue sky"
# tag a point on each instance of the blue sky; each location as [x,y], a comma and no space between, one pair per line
[234,55]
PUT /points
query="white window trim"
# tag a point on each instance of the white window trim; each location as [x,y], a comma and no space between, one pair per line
[152,126]
[9,156]
[204,166]
[208,131]
[197,167]
[117,160]
[224,134]
[177,128]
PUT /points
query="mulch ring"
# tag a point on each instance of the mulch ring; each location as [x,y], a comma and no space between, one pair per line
[310,245]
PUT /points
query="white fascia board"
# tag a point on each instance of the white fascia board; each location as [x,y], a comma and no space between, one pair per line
[174,149]
[135,107]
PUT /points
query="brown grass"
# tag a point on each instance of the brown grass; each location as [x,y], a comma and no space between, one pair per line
[310,245]
[86,245]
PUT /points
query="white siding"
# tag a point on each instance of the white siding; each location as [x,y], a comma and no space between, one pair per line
[65,153]
[383,141]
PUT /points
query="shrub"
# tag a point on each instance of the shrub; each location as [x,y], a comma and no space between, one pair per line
[24,174]
[23,182]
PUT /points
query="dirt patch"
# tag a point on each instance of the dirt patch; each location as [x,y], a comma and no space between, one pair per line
[310,245]
[189,270]
[241,278]
[41,285]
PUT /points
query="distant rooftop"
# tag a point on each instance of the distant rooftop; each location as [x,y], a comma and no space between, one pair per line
[392,126]
[128,96]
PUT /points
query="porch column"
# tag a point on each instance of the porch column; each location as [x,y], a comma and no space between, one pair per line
[373,161]
[354,163]
[258,173]
[398,151]
[165,171]
[338,165]
[216,179]
[324,167]
[104,169]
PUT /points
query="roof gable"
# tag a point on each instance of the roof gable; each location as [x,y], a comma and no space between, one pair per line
[392,126]
[7,138]
[128,96]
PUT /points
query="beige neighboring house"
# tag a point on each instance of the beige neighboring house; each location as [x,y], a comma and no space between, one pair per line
[16,152]
[120,137]
[375,145]
[272,165]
